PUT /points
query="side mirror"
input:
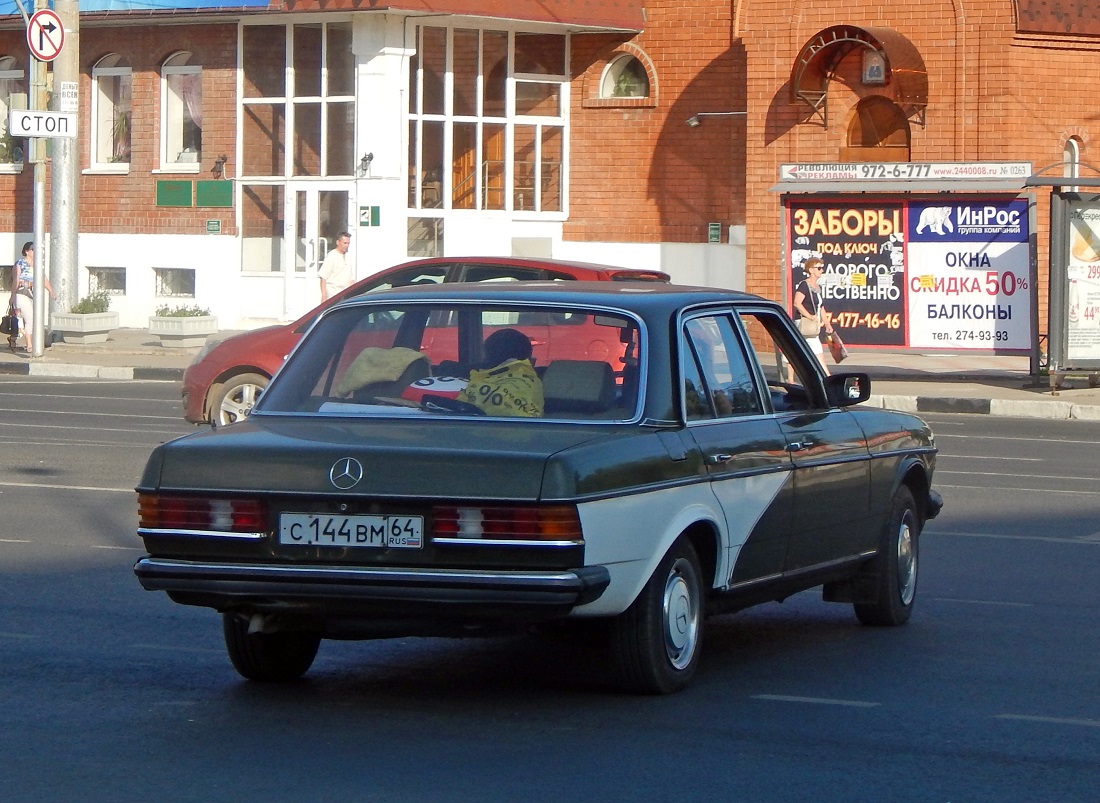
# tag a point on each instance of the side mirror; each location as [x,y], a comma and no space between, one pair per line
[845,390]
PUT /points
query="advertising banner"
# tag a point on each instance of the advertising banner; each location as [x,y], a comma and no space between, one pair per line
[969,265]
[863,247]
[943,273]
[1083,276]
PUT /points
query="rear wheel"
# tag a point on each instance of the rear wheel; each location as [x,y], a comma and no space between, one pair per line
[236,397]
[895,568]
[268,656]
[657,640]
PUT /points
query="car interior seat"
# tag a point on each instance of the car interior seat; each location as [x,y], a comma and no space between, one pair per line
[578,386]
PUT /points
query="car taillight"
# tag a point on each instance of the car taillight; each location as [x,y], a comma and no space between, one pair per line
[201,513]
[507,523]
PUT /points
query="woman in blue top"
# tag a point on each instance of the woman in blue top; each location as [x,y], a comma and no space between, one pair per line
[22,295]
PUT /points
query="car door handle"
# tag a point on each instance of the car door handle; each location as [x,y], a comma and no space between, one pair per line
[720,458]
[798,446]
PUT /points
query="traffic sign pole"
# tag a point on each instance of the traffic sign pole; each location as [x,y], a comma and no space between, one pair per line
[37,147]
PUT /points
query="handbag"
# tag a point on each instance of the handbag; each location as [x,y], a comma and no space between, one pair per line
[9,325]
[809,327]
[837,347]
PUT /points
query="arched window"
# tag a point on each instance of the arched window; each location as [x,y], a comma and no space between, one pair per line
[1071,160]
[181,113]
[111,110]
[624,77]
[877,132]
[11,83]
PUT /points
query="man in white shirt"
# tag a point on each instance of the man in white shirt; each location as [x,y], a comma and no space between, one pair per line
[335,273]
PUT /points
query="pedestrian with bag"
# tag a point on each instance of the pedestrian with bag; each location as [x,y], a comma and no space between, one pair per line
[22,295]
[810,313]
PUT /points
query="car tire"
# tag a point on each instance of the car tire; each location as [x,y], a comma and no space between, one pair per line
[268,657]
[893,572]
[657,640]
[234,400]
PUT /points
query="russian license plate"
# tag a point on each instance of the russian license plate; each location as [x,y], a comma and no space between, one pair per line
[308,529]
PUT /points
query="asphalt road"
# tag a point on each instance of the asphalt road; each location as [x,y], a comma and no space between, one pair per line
[110,693]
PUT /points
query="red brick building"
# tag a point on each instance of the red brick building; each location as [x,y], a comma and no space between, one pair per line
[559,129]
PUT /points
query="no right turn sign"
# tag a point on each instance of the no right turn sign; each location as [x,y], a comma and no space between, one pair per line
[45,35]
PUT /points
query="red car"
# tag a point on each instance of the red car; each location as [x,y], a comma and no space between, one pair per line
[226,378]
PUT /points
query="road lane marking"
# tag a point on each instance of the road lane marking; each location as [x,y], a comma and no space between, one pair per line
[1088,723]
[787,698]
[1066,442]
[125,548]
[1021,490]
[173,648]
[1084,539]
[82,397]
[55,487]
[71,413]
[985,602]
[1061,477]
[942,455]
[77,444]
[14,541]
[131,430]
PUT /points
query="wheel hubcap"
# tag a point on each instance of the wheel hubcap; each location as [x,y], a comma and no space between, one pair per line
[681,618]
[239,403]
[907,562]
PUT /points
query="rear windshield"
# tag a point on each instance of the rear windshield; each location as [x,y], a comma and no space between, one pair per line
[464,359]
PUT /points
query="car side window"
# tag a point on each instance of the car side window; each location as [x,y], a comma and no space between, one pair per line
[793,383]
[718,381]
[406,278]
[501,273]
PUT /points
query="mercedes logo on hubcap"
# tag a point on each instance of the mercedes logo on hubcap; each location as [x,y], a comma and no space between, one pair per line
[345,473]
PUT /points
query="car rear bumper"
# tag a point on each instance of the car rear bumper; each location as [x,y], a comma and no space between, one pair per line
[225,585]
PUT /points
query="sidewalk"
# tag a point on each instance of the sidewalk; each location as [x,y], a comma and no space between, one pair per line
[916,382]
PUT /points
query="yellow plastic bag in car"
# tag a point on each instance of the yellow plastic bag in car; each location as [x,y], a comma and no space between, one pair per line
[511,389]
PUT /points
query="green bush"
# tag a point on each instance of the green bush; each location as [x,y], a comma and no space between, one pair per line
[93,302]
[181,312]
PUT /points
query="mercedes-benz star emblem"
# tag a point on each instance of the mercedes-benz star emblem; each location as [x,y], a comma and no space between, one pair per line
[346,473]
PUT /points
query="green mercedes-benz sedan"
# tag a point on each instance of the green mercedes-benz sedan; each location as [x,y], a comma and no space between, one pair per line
[465,459]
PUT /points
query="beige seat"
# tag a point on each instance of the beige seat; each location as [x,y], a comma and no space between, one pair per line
[578,386]
[382,372]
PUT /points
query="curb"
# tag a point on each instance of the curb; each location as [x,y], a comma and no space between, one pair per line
[1012,408]
[1008,408]
[79,371]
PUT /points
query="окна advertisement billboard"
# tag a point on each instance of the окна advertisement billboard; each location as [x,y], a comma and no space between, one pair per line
[946,273]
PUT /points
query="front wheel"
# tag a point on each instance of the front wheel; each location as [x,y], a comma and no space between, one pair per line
[236,397]
[657,640]
[894,569]
[276,657]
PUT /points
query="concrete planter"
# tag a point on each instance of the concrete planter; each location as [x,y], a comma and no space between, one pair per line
[83,327]
[183,332]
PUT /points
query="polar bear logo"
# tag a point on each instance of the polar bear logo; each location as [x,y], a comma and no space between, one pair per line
[935,219]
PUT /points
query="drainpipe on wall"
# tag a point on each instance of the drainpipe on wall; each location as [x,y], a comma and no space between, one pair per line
[64,222]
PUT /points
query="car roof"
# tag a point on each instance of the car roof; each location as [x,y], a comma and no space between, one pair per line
[637,296]
[537,263]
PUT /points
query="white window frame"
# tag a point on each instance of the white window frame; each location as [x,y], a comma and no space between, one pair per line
[614,70]
[509,121]
[8,72]
[173,158]
[292,102]
[99,132]
[174,282]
